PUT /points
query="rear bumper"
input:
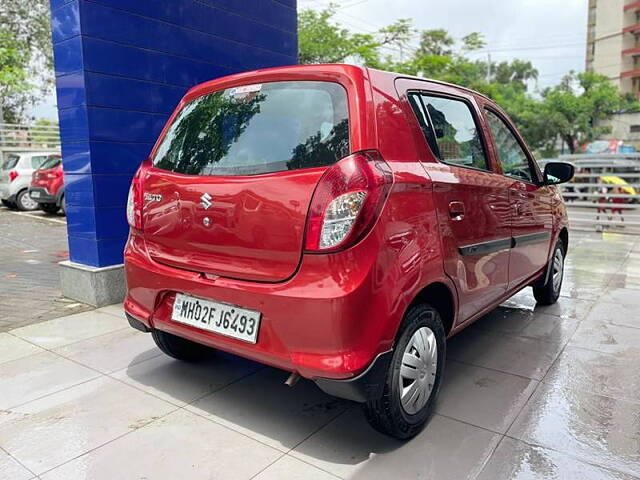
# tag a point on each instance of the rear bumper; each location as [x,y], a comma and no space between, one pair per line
[369,385]
[328,322]
[5,192]
[42,195]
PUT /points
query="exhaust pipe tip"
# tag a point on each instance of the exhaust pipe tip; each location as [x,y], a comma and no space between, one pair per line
[293,379]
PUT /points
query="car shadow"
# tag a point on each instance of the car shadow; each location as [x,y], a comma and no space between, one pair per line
[252,399]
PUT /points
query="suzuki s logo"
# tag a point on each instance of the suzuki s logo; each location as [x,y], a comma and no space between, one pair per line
[205,201]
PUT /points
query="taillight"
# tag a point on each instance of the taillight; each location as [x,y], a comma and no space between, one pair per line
[54,174]
[13,175]
[347,201]
[134,203]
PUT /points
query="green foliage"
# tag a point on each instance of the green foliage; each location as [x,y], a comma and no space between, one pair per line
[569,111]
[12,73]
[436,42]
[41,132]
[574,107]
[25,53]
[320,40]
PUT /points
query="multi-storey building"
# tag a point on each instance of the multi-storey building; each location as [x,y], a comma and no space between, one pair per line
[613,42]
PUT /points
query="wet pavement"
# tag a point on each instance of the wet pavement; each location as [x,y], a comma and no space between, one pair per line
[530,393]
[31,245]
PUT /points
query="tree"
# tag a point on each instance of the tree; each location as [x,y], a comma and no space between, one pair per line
[473,41]
[516,71]
[320,40]
[435,42]
[13,76]
[25,36]
[570,110]
[575,106]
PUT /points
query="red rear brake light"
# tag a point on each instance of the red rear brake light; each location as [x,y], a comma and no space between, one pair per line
[347,201]
[13,175]
[134,202]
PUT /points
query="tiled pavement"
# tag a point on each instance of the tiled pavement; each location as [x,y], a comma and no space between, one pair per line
[31,245]
[530,393]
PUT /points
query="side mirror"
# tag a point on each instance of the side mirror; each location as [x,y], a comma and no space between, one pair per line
[558,172]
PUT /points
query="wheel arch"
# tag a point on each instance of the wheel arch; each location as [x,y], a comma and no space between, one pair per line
[564,237]
[59,195]
[441,297]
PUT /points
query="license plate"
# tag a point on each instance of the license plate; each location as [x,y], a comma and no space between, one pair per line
[34,194]
[221,318]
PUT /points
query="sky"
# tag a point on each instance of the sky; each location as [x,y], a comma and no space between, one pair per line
[549,33]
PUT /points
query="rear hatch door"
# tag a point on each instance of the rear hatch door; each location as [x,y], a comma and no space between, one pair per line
[229,187]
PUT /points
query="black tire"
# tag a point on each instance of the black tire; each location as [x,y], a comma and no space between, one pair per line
[549,292]
[8,204]
[51,208]
[25,203]
[63,206]
[387,414]
[181,348]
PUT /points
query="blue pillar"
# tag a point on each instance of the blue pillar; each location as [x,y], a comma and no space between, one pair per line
[121,68]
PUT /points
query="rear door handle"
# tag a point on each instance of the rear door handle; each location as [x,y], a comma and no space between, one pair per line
[456,210]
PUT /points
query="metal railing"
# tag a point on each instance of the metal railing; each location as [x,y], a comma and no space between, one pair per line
[19,137]
[609,204]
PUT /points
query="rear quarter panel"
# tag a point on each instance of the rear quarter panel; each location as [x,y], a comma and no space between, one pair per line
[412,242]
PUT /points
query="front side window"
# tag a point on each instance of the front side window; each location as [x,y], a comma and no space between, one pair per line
[513,159]
[259,128]
[450,130]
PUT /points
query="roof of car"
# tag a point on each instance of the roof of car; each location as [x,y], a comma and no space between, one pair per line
[431,80]
[316,67]
[36,154]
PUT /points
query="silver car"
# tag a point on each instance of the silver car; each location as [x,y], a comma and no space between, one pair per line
[15,178]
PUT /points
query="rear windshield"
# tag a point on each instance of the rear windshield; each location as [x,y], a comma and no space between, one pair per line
[51,162]
[10,162]
[257,129]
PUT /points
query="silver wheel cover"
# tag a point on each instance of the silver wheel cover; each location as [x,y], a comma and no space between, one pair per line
[28,202]
[418,370]
[558,268]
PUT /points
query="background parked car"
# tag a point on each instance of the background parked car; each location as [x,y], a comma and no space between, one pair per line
[47,185]
[15,178]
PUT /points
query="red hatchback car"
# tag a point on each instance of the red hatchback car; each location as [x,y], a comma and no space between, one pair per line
[339,223]
[47,185]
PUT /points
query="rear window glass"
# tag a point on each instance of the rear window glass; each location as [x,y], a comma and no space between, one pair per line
[51,162]
[257,129]
[10,162]
[36,162]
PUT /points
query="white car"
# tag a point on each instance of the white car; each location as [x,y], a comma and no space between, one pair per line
[15,178]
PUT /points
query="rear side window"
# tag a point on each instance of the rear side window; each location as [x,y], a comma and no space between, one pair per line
[513,159]
[10,162]
[257,129]
[450,130]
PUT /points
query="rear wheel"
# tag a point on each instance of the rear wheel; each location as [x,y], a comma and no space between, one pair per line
[180,348]
[25,202]
[49,207]
[63,206]
[414,376]
[549,293]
